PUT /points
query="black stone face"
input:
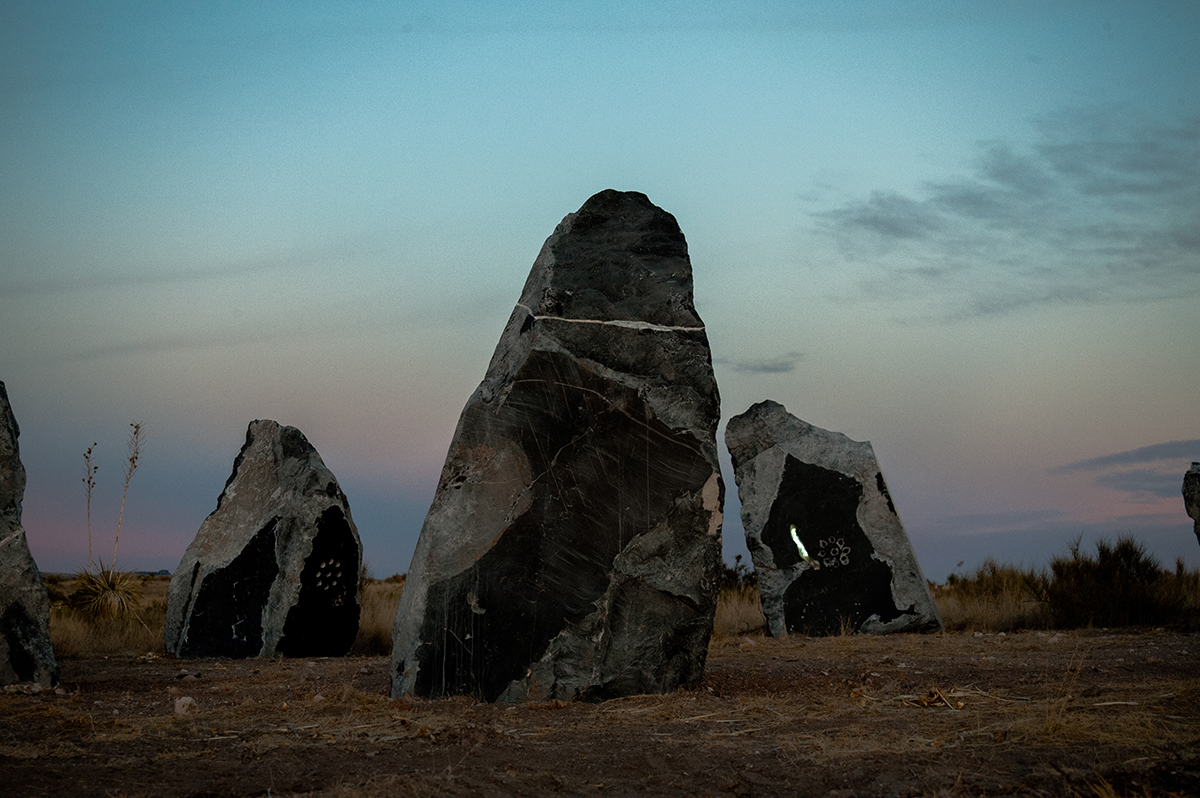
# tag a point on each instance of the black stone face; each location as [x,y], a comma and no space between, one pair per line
[604,471]
[226,620]
[324,620]
[847,585]
[23,635]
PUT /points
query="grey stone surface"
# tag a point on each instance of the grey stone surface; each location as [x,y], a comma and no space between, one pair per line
[573,548]
[827,543]
[25,652]
[275,568]
[1191,496]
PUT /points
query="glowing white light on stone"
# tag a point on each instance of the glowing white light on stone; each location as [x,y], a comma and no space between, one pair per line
[799,545]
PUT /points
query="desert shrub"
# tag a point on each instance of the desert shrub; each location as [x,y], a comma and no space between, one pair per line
[106,593]
[1122,585]
[378,610]
[56,589]
[740,575]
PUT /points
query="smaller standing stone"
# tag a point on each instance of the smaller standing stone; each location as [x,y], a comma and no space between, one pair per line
[275,568]
[828,547]
[1191,496]
[25,652]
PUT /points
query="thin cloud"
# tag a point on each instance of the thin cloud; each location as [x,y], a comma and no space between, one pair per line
[778,365]
[1172,450]
[969,524]
[1100,207]
[1146,483]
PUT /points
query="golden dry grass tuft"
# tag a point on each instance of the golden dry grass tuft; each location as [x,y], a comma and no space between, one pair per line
[739,610]
[378,610]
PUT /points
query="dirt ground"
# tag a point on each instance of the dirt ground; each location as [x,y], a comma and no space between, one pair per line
[1029,713]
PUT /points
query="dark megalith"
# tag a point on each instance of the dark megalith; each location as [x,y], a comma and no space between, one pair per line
[25,652]
[1191,496]
[827,544]
[275,568]
[573,546]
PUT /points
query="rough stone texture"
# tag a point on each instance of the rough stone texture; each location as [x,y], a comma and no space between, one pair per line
[25,653]
[1191,496]
[275,568]
[854,564]
[573,548]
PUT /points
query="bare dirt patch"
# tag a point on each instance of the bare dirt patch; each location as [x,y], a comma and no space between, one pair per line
[1028,713]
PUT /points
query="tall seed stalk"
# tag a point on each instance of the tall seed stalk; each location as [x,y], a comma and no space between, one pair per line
[89,482]
[134,450]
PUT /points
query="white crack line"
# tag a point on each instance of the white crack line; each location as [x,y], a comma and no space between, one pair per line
[632,325]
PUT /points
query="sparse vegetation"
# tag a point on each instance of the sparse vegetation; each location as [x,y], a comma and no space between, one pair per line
[1121,585]
[378,609]
[77,632]
[103,593]
[992,598]
[739,608]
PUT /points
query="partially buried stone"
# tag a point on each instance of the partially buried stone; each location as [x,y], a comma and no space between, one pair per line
[828,547]
[275,568]
[25,652]
[573,547]
[1191,496]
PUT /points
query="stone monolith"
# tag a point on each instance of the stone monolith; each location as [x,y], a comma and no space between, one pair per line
[1191,496]
[275,568]
[827,544]
[573,548]
[25,652]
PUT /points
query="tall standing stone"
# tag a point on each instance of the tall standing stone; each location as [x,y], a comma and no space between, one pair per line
[827,544]
[25,652]
[1191,496]
[573,547]
[275,568]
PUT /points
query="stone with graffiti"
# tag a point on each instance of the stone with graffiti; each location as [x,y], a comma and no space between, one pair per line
[826,541]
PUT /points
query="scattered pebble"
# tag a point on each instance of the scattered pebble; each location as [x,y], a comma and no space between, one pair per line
[184,705]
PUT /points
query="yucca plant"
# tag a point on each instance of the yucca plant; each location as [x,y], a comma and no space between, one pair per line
[105,592]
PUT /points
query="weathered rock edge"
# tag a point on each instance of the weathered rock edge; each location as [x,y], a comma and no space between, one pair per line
[25,651]
[573,547]
[787,470]
[275,568]
[1191,496]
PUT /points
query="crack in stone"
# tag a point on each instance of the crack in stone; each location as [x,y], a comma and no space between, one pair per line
[632,325]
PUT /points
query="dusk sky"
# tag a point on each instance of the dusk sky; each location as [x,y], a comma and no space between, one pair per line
[968,232]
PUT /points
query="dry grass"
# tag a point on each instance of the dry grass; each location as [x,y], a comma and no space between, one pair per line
[739,611]
[378,600]
[77,633]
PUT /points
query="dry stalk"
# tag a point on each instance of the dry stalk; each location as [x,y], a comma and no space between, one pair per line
[89,482]
[134,452]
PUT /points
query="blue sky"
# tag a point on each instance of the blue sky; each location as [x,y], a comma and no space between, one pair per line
[965,231]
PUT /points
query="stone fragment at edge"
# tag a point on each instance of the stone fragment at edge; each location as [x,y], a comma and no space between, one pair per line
[573,547]
[275,568]
[1191,496]
[827,544]
[25,652]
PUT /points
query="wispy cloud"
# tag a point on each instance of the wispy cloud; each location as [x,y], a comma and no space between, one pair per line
[1172,450]
[1161,480]
[1099,207]
[776,365]
[1146,482]
[989,523]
